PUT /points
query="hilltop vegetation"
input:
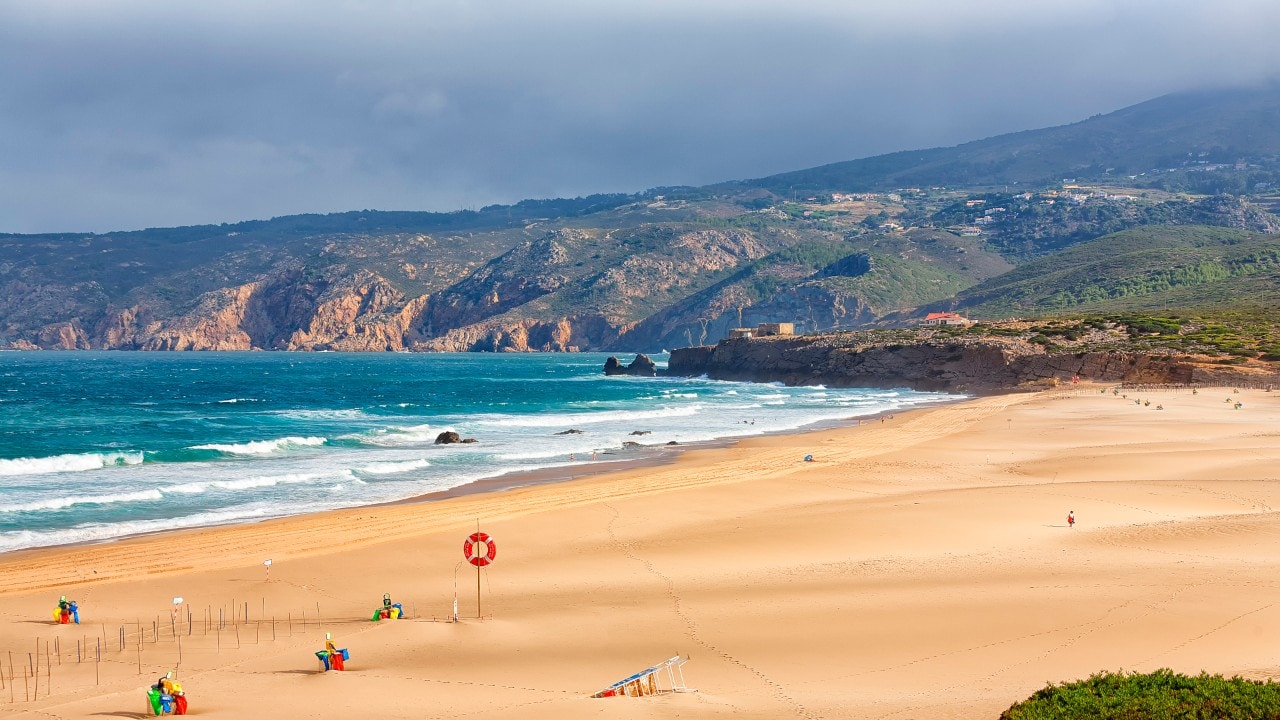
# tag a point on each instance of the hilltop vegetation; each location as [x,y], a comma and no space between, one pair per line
[1142,269]
[681,266]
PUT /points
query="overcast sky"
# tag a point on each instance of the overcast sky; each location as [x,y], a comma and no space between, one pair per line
[124,114]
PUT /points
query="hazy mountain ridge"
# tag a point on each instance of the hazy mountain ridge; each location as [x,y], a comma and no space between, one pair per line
[1167,134]
[674,266]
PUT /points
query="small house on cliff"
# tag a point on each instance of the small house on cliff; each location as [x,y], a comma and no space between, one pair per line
[763,330]
[945,318]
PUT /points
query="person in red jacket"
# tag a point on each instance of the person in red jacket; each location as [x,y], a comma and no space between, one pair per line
[1071,518]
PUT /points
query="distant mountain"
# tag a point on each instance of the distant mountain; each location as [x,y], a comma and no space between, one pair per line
[1178,133]
[841,246]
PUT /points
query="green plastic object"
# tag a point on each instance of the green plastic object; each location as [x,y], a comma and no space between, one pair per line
[153,697]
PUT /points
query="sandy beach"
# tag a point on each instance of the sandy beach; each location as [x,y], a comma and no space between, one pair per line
[918,567]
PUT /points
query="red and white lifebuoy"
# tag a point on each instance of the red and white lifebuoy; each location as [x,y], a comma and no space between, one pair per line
[471,549]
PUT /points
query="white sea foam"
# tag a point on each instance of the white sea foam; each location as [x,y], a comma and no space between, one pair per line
[388,468]
[330,414]
[249,483]
[58,503]
[571,419]
[93,532]
[68,463]
[401,435]
[261,447]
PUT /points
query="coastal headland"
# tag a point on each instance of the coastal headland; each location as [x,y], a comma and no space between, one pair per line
[980,364]
[920,565]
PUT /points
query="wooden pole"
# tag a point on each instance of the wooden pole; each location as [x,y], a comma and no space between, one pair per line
[48,671]
[237,629]
[179,651]
[35,668]
[97,662]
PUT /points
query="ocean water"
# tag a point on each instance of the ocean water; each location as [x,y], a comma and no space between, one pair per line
[95,446]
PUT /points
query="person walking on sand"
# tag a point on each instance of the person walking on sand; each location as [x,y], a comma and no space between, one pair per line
[1071,518]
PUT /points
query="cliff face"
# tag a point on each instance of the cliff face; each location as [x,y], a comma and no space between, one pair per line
[565,334]
[285,311]
[635,273]
[969,367]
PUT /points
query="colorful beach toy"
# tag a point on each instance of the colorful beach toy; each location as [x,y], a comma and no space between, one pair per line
[166,697]
[332,657]
[67,611]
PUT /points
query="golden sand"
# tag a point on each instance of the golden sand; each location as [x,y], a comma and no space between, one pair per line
[919,567]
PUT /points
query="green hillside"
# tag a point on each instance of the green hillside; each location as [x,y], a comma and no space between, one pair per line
[1143,269]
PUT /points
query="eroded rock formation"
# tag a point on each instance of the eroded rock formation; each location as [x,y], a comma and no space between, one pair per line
[641,366]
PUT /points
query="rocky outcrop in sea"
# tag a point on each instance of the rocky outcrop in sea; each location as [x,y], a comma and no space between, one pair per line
[641,366]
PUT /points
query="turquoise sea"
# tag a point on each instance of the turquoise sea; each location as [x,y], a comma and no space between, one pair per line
[98,445]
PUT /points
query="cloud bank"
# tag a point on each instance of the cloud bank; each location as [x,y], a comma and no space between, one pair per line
[150,113]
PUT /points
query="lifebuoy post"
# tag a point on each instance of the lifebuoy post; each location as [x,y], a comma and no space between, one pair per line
[479,550]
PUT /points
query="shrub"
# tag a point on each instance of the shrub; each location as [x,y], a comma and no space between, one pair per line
[1162,694]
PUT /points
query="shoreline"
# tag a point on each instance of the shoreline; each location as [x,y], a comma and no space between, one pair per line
[662,455]
[658,456]
[486,492]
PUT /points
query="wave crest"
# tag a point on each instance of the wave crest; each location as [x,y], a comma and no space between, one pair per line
[58,503]
[261,447]
[79,462]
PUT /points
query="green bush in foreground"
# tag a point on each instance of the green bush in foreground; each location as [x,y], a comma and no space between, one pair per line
[1161,695]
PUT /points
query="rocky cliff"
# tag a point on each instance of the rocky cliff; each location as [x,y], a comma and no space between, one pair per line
[634,273]
[969,366]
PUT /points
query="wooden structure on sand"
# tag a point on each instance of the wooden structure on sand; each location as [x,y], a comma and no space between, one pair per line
[649,681]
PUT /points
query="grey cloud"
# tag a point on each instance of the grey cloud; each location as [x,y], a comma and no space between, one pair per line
[146,113]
